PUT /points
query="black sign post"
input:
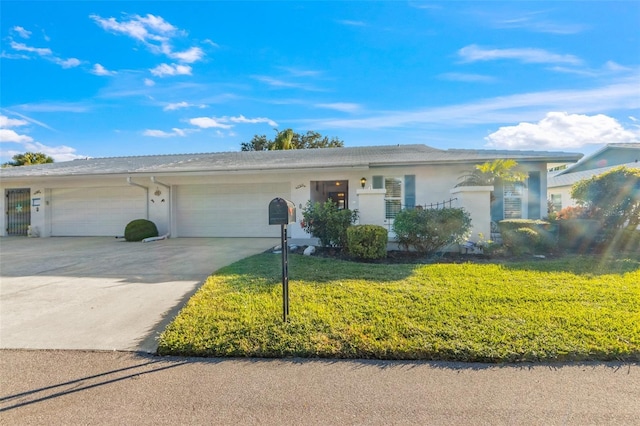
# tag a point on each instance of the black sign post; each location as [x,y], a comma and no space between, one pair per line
[283,212]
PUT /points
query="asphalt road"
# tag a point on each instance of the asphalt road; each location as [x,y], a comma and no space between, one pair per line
[78,387]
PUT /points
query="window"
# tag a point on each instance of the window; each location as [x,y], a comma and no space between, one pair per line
[513,194]
[400,192]
[556,202]
[393,197]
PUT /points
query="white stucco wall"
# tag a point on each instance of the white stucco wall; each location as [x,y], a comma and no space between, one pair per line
[433,184]
[476,201]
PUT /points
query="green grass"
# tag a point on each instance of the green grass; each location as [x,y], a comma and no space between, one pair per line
[576,308]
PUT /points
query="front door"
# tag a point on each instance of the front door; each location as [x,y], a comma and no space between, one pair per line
[335,190]
[18,211]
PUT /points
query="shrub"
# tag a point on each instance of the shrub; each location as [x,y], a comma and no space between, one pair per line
[367,241]
[615,194]
[428,230]
[139,229]
[624,241]
[574,212]
[525,236]
[578,235]
[328,223]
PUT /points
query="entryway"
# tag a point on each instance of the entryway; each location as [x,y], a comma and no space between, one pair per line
[335,190]
[18,211]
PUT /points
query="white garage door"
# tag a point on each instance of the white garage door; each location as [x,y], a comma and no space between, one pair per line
[227,210]
[95,211]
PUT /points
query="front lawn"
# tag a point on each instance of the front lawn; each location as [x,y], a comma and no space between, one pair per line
[576,308]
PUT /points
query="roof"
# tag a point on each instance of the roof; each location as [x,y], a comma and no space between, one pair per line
[371,156]
[607,147]
[570,178]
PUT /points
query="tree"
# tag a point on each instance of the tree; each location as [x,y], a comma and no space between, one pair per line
[288,139]
[28,158]
[488,173]
[613,197]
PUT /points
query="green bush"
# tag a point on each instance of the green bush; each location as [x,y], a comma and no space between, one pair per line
[139,229]
[578,235]
[428,230]
[624,241]
[526,236]
[328,223]
[367,241]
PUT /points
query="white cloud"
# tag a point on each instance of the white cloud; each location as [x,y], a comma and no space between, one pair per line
[11,122]
[209,122]
[467,77]
[68,63]
[148,82]
[474,53]
[559,130]
[189,56]
[163,70]
[280,84]
[98,69]
[7,135]
[222,122]
[351,23]
[162,134]
[535,23]
[178,105]
[154,32]
[340,106]
[46,53]
[58,153]
[22,32]
[243,119]
[42,51]
[622,95]
[143,28]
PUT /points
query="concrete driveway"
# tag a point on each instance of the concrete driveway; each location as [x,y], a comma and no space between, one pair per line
[104,293]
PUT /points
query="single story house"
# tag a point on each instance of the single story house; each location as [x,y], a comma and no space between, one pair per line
[609,157]
[227,194]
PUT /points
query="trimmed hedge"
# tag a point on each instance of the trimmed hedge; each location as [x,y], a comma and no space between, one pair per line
[367,241]
[429,230]
[527,236]
[139,229]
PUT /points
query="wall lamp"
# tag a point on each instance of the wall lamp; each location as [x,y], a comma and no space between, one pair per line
[363,182]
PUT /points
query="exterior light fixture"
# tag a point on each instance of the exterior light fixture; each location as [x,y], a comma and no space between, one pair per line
[363,182]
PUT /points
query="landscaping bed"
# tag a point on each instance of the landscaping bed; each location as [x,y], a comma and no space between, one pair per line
[563,309]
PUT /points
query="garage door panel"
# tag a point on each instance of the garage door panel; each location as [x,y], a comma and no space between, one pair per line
[230,210]
[95,211]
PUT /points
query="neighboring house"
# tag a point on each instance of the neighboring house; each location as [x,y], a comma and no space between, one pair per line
[227,194]
[609,157]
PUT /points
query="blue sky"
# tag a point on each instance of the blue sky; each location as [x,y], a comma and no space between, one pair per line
[118,78]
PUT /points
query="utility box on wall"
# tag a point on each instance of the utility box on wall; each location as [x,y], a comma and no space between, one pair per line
[281,212]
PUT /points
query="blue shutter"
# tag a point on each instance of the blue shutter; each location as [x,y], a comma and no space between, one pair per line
[378,182]
[535,195]
[409,191]
[497,202]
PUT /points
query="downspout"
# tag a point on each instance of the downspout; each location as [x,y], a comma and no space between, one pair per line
[146,188]
[153,179]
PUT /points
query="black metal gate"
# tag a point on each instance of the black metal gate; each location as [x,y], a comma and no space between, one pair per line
[18,211]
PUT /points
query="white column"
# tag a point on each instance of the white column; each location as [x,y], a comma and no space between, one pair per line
[476,200]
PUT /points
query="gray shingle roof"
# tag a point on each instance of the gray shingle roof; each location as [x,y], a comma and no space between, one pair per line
[571,178]
[370,156]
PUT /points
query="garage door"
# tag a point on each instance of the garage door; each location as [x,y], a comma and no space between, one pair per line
[95,211]
[228,210]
